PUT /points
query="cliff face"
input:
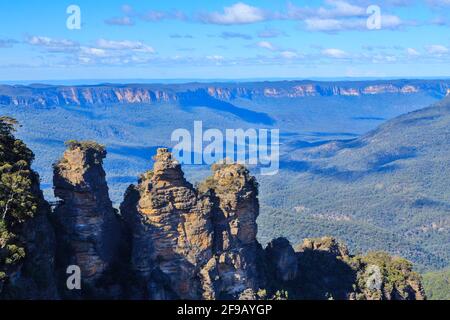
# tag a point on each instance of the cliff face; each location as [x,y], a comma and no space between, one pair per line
[88,229]
[47,96]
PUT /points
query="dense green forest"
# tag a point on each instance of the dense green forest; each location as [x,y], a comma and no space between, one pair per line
[437,285]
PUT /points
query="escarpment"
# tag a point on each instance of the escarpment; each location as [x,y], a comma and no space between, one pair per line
[150,94]
[88,230]
[171,240]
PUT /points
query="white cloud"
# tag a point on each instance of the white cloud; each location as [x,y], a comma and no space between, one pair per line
[340,15]
[120,21]
[230,35]
[390,22]
[124,45]
[412,52]
[334,25]
[336,9]
[341,9]
[51,43]
[331,25]
[239,13]
[289,54]
[215,58]
[270,33]
[93,52]
[266,45]
[437,50]
[334,53]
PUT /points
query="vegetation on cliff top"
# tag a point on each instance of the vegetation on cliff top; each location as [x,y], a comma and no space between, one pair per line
[85,145]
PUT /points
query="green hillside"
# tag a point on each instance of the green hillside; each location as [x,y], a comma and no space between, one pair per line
[391,187]
[437,285]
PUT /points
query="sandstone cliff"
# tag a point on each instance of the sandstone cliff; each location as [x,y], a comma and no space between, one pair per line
[171,231]
[233,271]
[48,96]
[87,227]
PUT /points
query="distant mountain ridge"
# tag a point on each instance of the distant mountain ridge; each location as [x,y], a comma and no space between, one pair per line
[50,95]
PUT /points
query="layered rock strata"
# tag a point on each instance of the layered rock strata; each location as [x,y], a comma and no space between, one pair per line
[171,230]
[88,229]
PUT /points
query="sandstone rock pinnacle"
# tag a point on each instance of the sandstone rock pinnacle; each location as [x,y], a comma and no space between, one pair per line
[87,227]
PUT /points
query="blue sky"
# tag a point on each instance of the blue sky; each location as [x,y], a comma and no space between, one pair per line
[204,39]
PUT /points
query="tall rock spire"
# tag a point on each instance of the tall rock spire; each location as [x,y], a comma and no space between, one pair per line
[234,266]
[171,228]
[87,227]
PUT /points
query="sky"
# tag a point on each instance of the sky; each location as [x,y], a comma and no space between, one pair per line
[206,39]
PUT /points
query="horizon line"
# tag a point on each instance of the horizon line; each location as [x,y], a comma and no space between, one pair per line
[206,80]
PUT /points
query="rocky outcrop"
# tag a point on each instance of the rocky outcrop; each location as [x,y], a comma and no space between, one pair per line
[384,277]
[87,227]
[171,230]
[236,250]
[202,242]
[326,270]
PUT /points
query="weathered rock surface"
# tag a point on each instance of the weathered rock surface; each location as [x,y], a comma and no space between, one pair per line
[171,229]
[87,227]
[281,256]
[233,270]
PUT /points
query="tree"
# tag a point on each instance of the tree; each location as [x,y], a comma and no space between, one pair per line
[18,199]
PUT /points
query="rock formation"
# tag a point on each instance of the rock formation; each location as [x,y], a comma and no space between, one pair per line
[233,270]
[171,229]
[326,270]
[88,229]
[170,241]
[202,241]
